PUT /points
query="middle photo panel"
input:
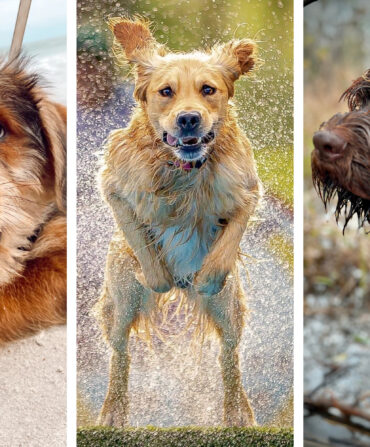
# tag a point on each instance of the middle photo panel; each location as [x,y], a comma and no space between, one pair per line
[185,213]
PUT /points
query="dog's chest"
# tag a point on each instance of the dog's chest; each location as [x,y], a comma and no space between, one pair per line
[185,247]
[182,230]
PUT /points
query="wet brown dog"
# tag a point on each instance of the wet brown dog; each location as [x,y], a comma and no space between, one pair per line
[341,159]
[182,184]
[32,205]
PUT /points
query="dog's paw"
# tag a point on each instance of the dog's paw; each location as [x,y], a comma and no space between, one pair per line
[160,283]
[211,285]
[112,419]
[161,288]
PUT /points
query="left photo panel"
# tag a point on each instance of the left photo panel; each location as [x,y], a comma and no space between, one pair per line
[33,225]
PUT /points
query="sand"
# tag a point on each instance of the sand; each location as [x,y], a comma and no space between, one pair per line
[33,391]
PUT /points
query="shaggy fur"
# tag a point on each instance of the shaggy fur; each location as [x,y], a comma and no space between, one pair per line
[32,205]
[182,184]
[342,169]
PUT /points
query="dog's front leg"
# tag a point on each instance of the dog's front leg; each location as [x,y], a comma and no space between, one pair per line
[154,273]
[223,254]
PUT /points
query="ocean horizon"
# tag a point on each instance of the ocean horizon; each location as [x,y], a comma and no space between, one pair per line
[48,58]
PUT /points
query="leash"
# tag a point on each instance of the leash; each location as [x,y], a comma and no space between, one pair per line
[20,26]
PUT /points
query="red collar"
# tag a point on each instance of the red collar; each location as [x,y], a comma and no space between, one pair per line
[188,165]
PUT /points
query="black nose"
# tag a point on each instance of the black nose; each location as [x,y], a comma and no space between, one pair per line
[329,142]
[188,120]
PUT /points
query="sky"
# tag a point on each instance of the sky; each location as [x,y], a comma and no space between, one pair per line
[47,20]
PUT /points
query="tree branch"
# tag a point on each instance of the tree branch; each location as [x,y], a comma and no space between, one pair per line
[322,406]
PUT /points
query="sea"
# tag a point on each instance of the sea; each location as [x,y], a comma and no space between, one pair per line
[48,58]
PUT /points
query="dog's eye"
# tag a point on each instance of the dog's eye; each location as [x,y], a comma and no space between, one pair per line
[2,132]
[208,90]
[167,91]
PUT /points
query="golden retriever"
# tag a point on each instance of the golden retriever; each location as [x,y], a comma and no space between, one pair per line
[181,182]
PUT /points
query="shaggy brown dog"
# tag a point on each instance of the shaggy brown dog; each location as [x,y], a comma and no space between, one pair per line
[341,159]
[32,205]
[182,184]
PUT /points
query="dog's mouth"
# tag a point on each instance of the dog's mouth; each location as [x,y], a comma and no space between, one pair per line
[188,148]
[187,141]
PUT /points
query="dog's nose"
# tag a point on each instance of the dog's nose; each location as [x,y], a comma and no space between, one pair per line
[188,120]
[329,143]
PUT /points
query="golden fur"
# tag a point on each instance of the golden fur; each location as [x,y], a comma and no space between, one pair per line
[177,230]
[32,205]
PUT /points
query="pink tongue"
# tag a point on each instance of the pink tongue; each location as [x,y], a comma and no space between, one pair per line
[171,140]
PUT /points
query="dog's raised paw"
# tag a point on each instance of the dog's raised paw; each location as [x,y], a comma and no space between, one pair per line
[212,286]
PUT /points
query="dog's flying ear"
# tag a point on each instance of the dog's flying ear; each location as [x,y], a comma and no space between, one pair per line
[133,36]
[236,58]
[54,122]
[134,43]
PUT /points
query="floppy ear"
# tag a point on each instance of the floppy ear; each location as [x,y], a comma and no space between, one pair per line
[236,58]
[132,36]
[134,43]
[54,122]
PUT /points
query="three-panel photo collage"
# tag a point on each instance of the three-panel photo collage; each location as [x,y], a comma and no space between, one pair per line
[184,223]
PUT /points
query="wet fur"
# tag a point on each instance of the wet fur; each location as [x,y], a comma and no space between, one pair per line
[177,232]
[348,179]
[32,205]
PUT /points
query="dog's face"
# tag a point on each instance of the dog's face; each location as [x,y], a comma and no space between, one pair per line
[185,95]
[32,163]
[342,152]
[341,157]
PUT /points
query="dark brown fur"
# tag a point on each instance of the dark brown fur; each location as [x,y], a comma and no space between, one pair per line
[32,205]
[348,177]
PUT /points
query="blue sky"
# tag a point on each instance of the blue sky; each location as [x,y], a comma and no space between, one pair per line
[47,20]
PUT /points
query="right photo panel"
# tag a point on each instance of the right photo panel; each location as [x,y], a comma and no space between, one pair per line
[337,218]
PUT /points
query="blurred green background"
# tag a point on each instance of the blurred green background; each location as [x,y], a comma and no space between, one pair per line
[265,100]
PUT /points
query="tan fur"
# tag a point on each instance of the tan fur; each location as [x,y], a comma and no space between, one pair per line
[148,196]
[32,198]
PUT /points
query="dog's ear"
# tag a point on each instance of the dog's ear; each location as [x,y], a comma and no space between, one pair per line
[133,36]
[134,43]
[54,122]
[235,58]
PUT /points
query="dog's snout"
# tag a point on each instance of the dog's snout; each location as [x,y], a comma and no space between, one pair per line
[188,121]
[329,143]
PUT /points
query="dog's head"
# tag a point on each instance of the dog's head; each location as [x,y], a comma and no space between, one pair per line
[341,158]
[185,95]
[32,162]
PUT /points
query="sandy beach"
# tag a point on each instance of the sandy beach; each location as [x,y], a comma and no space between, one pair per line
[33,391]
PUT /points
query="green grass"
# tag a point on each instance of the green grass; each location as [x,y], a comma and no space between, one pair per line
[275,169]
[184,437]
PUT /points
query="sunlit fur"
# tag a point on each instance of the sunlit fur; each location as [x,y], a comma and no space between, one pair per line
[32,208]
[348,178]
[177,229]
